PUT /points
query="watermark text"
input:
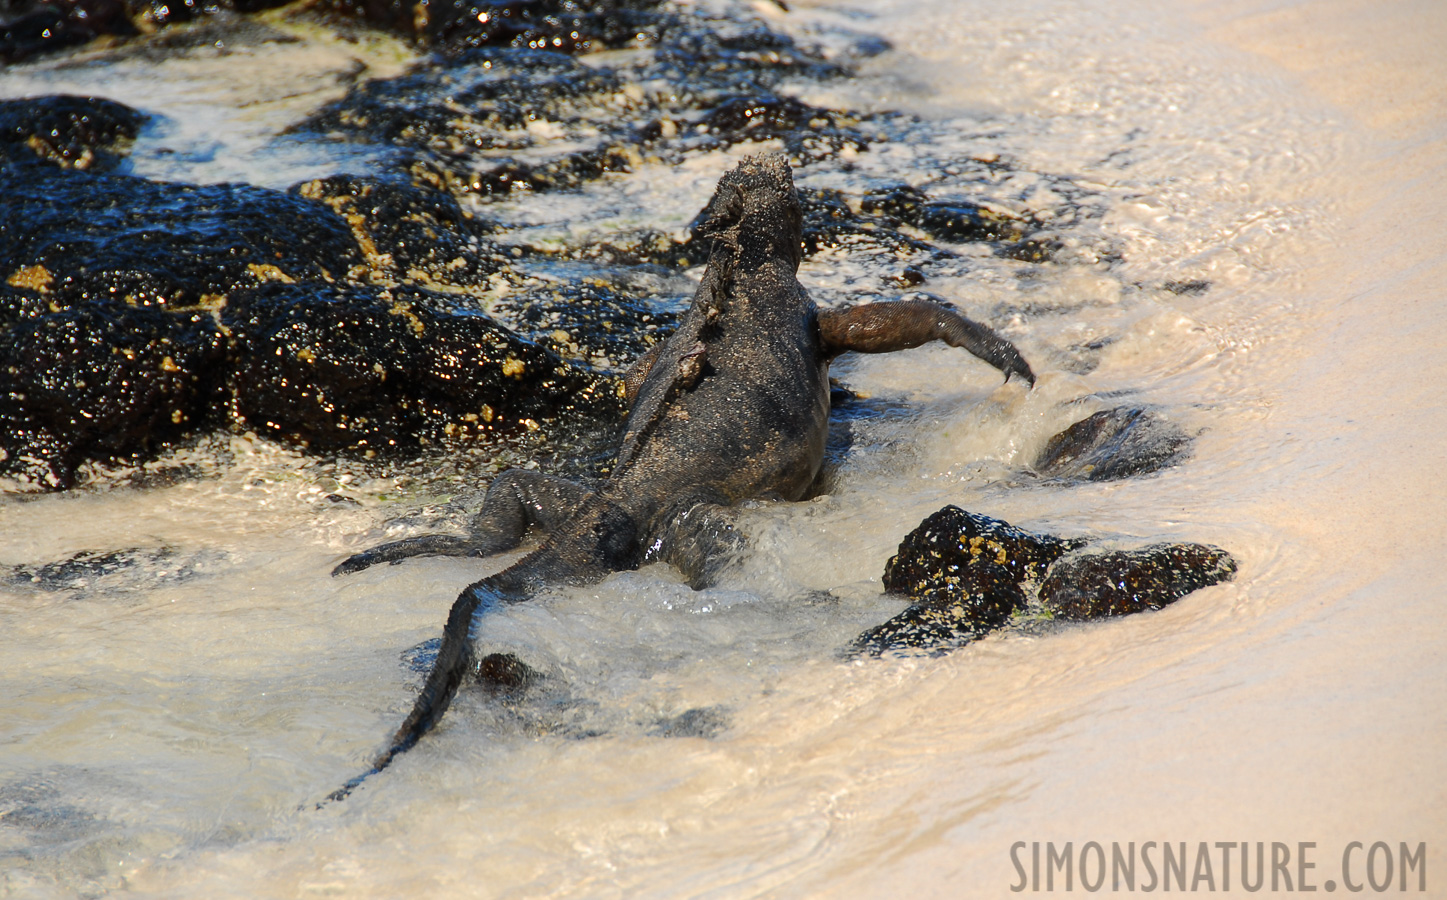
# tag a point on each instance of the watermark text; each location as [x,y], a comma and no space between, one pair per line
[1218,866]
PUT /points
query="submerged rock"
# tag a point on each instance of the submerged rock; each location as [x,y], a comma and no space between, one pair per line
[968,574]
[1113,444]
[701,722]
[1121,582]
[131,569]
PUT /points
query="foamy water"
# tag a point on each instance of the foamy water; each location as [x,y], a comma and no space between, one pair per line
[165,736]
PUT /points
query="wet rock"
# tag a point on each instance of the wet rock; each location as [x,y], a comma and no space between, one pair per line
[969,574]
[157,13]
[586,321]
[32,27]
[1035,249]
[964,571]
[108,383]
[480,100]
[948,543]
[830,223]
[808,132]
[908,277]
[896,203]
[639,249]
[505,674]
[1121,582]
[43,26]
[960,221]
[78,237]
[450,117]
[701,722]
[75,132]
[131,569]
[409,234]
[567,26]
[704,86]
[1113,444]
[361,369]
[956,221]
[963,605]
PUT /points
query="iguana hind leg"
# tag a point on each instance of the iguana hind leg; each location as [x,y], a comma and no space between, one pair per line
[699,541]
[517,500]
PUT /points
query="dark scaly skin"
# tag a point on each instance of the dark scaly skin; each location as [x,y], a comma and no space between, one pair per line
[733,406]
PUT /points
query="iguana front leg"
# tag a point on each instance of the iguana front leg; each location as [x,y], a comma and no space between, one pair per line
[903,324]
[516,501]
[637,374]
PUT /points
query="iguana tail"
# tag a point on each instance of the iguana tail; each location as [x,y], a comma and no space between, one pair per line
[602,538]
[453,659]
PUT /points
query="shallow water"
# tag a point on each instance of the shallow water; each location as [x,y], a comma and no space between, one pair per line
[166,727]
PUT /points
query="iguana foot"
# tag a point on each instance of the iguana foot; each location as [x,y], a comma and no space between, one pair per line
[517,501]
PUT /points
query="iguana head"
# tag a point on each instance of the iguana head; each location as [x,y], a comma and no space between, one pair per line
[755,210]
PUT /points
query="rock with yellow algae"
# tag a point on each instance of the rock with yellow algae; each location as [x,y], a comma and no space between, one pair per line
[353,369]
[968,574]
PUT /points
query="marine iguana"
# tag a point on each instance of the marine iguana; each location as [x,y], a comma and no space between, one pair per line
[733,406]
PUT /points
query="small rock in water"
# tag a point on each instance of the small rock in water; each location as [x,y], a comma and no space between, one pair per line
[505,674]
[965,606]
[969,574]
[950,541]
[701,722]
[1113,444]
[128,570]
[1121,582]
